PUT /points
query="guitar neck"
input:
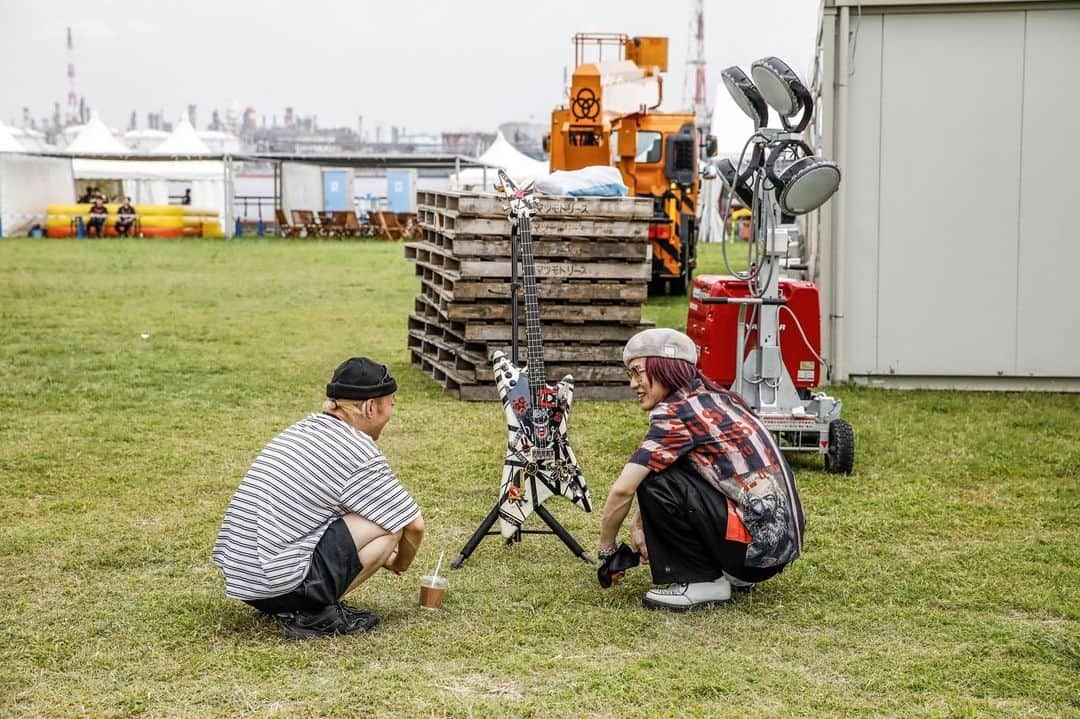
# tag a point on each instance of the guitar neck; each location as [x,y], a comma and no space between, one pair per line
[532,308]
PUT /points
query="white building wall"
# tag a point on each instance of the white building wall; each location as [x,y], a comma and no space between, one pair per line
[959,229]
[1048,256]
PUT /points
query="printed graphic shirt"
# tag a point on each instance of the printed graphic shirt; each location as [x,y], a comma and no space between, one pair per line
[728,446]
[308,476]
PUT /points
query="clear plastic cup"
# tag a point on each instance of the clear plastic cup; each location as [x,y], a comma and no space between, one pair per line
[431,591]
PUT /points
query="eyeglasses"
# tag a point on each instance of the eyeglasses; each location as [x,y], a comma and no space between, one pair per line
[635,374]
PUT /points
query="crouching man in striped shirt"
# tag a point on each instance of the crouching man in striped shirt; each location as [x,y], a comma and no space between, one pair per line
[320,511]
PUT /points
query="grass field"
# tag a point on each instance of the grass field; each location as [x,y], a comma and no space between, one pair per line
[940,579]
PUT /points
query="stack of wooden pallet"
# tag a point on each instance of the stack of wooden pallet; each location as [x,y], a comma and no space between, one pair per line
[592,268]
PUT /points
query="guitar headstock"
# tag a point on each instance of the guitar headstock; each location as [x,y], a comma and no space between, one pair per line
[519,200]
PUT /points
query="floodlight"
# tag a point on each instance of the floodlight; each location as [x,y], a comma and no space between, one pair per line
[727,172]
[806,184]
[783,90]
[746,96]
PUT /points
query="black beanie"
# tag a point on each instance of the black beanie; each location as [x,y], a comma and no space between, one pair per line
[360,378]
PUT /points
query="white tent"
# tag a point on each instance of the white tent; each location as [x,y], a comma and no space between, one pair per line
[182,141]
[33,140]
[144,140]
[28,184]
[94,136]
[220,143]
[146,181]
[8,143]
[521,168]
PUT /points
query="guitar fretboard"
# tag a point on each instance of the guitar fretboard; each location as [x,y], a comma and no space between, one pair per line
[532,309]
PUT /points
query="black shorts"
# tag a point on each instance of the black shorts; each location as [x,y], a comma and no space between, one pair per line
[334,566]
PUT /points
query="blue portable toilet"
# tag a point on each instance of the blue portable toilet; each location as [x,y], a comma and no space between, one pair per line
[337,190]
[401,190]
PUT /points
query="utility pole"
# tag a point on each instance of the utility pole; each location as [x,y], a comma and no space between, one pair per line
[73,116]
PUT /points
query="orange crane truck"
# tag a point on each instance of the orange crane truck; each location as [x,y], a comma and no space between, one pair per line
[609,120]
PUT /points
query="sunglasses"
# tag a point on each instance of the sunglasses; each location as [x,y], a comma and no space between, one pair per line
[635,374]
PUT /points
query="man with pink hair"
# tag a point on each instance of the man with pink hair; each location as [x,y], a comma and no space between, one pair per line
[717,501]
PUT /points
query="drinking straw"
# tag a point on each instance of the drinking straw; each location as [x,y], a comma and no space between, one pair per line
[439,563]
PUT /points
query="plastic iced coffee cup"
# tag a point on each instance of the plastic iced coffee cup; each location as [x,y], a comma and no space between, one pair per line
[432,588]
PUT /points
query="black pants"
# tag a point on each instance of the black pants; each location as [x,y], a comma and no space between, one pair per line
[333,567]
[685,519]
[97,225]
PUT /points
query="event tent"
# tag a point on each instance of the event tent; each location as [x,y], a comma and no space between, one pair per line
[146,181]
[8,143]
[94,136]
[144,140]
[501,154]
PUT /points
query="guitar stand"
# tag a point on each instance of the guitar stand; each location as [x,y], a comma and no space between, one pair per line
[555,528]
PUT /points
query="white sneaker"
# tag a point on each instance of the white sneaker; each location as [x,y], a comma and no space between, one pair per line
[684,597]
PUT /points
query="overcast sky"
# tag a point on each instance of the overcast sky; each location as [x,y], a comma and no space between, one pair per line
[426,66]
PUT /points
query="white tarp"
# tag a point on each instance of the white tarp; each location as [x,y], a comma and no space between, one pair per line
[710,224]
[28,184]
[521,168]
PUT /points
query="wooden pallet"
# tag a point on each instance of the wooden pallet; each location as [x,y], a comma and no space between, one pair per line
[491,205]
[589,364]
[549,311]
[500,332]
[431,255]
[592,265]
[452,336]
[456,383]
[627,249]
[452,223]
[548,289]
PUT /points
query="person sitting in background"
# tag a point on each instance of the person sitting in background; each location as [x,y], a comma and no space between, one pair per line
[717,501]
[186,199]
[87,196]
[95,223]
[320,511]
[125,218]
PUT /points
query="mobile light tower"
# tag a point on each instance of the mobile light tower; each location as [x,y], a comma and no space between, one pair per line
[782,179]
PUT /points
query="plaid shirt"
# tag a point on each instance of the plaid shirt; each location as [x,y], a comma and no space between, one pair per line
[727,445]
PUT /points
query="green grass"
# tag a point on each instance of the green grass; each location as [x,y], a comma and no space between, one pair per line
[939,580]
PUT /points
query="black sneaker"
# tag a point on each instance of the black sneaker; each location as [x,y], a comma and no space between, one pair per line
[369,618]
[328,621]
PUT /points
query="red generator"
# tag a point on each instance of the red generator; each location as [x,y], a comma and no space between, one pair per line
[714,328]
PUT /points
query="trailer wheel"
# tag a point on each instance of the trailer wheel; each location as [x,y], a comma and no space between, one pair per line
[840,457]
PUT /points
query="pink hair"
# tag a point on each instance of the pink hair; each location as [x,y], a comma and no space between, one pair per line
[674,374]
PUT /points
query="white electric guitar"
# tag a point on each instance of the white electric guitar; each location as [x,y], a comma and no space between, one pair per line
[539,462]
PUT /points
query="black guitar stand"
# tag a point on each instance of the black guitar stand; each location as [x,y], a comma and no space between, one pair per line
[485,526]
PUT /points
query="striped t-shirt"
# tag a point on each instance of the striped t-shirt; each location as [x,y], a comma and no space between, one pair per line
[314,472]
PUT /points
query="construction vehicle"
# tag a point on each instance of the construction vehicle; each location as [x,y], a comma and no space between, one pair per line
[610,120]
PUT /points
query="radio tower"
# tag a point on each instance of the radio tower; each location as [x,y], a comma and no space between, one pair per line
[73,101]
[695,67]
